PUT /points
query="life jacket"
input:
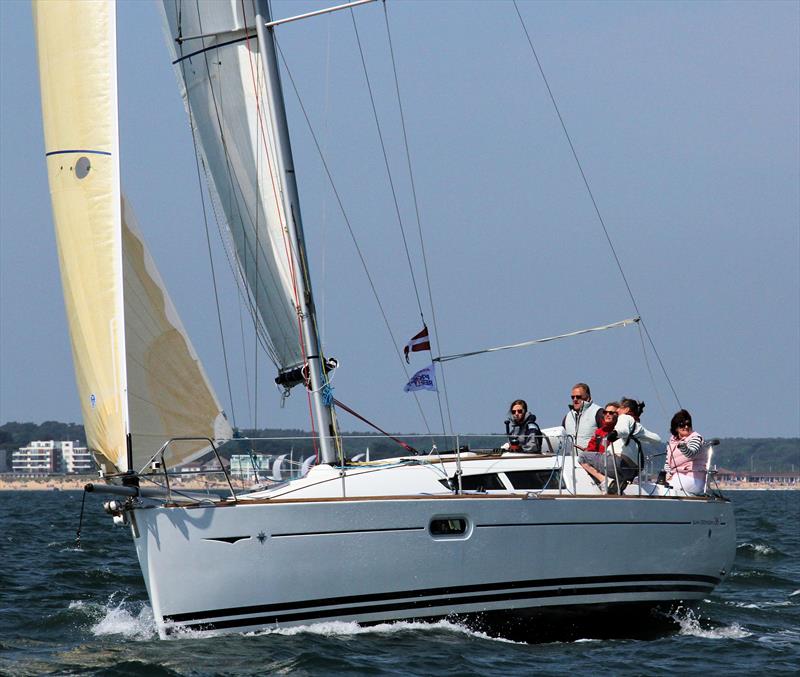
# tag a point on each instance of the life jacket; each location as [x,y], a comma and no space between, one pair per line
[596,443]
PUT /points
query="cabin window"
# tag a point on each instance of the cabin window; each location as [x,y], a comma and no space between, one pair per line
[536,479]
[487,482]
[448,526]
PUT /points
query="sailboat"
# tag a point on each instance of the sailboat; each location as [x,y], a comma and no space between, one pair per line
[468,533]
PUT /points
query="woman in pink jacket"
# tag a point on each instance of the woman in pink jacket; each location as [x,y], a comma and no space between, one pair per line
[687,456]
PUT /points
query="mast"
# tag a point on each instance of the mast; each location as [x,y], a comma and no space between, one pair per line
[323,414]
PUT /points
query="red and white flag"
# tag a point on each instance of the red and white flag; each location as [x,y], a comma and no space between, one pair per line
[419,342]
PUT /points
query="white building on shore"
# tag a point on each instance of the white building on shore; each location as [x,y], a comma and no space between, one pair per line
[48,457]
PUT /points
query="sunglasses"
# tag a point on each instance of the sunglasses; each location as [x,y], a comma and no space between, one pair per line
[576,397]
[517,411]
[684,425]
[609,413]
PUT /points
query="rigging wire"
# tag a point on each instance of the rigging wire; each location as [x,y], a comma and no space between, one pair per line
[594,202]
[419,228]
[391,185]
[525,344]
[324,216]
[652,378]
[259,169]
[244,362]
[210,256]
[348,225]
[386,163]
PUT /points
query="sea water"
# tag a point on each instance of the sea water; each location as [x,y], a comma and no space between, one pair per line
[83,610]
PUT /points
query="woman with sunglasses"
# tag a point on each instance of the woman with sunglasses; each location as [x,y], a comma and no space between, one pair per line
[687,456]
[607,458]
[523,432]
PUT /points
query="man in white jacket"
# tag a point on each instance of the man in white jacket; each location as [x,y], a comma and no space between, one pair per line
[581,419]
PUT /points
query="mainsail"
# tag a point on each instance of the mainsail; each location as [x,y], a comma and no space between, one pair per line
[139,380]
[215,51]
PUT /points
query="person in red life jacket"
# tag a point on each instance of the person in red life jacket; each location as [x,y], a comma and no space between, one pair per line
[597,443]
[593,459]
[613,466]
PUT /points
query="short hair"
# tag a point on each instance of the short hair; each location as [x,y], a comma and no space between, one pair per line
[612,404]
[680,418]
[585,387]
[522,402]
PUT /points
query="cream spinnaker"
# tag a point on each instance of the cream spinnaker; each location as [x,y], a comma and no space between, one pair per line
[76,45]
[139,380]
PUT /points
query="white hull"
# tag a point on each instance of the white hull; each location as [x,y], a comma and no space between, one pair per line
[250,565]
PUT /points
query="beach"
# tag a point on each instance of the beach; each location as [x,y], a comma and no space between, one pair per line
[9,482]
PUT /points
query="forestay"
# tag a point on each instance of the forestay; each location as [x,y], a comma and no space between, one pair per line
[223,84]
[139,380]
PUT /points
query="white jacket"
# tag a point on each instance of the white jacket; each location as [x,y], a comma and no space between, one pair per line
[582,424]
[628,427]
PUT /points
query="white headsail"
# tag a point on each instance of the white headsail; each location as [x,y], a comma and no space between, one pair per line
[139,380]
[223,84]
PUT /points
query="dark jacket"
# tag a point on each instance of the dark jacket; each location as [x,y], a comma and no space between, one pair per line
[528,433]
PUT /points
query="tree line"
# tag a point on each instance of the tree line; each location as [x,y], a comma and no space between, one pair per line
[772,454]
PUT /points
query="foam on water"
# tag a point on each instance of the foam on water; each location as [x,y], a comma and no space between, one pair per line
[760,605]
[62,548]
[132,621]
[344,628]
[690,626]
[783,639]
[759,549]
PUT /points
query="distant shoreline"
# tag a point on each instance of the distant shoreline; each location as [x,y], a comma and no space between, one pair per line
[76,483]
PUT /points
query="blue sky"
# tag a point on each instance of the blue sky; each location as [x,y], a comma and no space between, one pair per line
[685,117]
